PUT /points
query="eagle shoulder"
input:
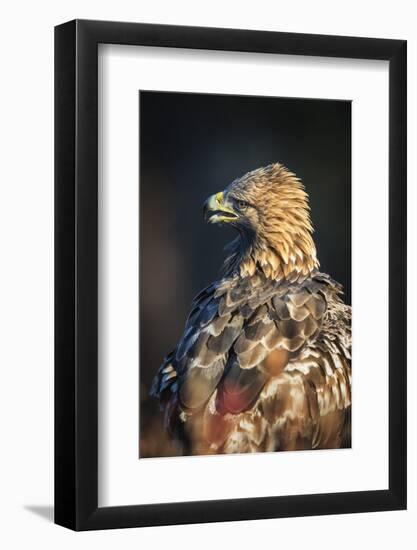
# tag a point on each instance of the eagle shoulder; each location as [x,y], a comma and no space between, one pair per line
[231,339]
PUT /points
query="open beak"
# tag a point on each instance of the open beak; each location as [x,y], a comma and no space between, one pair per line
[216,210]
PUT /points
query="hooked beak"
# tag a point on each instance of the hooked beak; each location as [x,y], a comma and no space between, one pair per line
[217,210]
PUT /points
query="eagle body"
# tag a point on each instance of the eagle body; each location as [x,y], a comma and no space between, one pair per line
[264,363]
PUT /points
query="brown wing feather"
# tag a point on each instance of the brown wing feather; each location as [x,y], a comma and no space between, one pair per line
[258,368]
[308,405]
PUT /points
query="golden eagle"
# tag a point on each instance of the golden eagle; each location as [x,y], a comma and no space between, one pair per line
[264,363]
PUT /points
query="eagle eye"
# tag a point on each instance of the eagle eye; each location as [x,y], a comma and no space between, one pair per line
[243,205]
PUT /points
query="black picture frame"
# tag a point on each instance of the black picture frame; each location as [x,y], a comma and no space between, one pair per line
[76,271]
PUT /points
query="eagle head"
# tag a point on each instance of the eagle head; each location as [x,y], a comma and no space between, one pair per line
[269,208]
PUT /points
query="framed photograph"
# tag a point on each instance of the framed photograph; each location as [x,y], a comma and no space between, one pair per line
[230,275]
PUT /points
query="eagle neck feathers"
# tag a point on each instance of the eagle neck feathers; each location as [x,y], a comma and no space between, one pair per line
[280,243]
[284,256]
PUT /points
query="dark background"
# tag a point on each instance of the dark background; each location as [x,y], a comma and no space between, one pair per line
[193,145]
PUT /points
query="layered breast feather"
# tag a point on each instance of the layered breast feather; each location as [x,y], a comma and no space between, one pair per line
[262,365]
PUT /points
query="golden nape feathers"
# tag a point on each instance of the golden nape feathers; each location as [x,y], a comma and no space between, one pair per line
[277,216]
[264,361]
